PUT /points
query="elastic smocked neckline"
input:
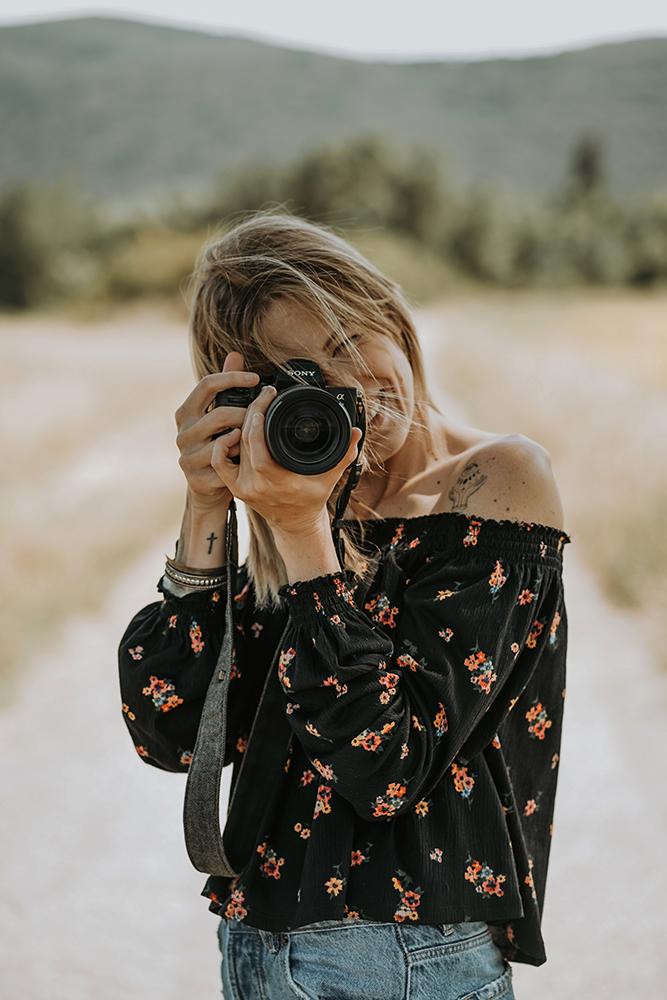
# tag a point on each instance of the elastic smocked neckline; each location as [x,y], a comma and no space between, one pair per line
[470,531]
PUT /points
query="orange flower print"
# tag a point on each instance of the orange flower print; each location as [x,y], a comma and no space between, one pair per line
[474,528]
[235,910]
[483,878]
[323,801]
[291,706]
[163,694]
[407,660]
[398,535]
[284,659]
[351,915]
[389,681]
[256,628]
[405,750]
[241,744]
[537,716]
[495,742]
[417,723]
[442,595]
[436,855]
[325,770]
[384,614]
[463,782]
[528,879]
[392,800]
[185,757]
[270,867]
[172,621]
[359,857]
[372,741]
[440,723]
[343,589]
[446,633]
[333,681]
[422,807]
[303,831]
[336,883]
[141,750]
[555,757]
[126,709]
[136,653]
[196,637]
[532,805]
[555,622]
[408,906]
[306,778]
[481,668]
[535,630]
[497,579]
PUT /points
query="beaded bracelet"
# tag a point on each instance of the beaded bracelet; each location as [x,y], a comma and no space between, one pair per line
[201,579]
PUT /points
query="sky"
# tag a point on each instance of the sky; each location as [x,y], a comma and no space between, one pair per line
[367,29]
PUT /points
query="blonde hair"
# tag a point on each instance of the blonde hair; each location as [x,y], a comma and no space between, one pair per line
[273,255]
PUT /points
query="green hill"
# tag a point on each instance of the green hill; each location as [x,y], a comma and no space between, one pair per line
[130,111]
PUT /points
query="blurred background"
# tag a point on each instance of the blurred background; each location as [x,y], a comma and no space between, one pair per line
[510,174]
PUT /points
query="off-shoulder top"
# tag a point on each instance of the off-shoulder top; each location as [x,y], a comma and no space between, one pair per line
[415,777]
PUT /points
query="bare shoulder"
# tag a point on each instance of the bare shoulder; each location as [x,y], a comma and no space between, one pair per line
[508,477]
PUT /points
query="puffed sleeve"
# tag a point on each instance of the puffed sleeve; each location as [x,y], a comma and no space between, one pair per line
[166,658]
[384,697]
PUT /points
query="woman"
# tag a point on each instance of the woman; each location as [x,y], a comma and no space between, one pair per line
[406,788]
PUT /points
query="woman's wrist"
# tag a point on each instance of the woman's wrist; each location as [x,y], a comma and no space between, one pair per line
[201,544]
[307,551]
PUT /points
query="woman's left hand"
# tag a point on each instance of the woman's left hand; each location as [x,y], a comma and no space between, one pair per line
[288,501]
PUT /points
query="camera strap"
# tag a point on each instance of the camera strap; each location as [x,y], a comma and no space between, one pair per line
[210,849]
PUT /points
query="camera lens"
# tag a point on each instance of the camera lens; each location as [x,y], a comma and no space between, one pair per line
[307,431]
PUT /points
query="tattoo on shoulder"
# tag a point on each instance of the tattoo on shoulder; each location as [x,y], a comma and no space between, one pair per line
[469,481]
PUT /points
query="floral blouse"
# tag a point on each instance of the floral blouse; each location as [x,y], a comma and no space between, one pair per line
[424,712]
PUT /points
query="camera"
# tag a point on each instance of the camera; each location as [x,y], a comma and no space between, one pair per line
[308,427]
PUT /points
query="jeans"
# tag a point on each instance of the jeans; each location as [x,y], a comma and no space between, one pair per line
[363,960]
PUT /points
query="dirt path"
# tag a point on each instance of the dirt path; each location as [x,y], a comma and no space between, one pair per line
[99,897]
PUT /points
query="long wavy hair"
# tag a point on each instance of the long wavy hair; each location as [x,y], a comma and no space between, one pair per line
[273,255]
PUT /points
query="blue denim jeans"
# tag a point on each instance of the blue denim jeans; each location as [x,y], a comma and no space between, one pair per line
[363,960]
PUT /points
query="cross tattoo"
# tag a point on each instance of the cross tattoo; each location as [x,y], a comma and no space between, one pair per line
[210,539]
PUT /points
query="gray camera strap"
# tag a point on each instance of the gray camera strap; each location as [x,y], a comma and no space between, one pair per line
[227,852]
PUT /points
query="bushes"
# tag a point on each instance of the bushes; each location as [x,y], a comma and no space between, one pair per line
[55,246]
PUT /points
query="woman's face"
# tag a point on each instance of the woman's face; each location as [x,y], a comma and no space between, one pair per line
[294,334]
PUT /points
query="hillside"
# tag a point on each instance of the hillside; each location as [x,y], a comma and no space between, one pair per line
[130,110]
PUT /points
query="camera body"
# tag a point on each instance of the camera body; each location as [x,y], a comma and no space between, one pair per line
[308,427]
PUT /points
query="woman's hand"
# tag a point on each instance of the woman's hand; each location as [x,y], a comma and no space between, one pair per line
[196,428]
[290,502]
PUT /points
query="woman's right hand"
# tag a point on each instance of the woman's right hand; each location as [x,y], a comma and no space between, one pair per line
[196,427]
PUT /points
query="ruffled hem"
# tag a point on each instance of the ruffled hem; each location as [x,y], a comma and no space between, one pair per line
[324,594]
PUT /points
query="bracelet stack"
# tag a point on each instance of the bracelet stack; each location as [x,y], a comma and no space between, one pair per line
[197,579]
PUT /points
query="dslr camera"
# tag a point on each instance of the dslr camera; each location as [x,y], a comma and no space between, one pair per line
[308,427]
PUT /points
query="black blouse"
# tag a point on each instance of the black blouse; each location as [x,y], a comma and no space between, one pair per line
[425,712]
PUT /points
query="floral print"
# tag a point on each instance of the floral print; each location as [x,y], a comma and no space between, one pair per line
[424,709]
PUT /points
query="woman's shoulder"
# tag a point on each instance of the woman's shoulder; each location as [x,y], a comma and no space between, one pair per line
[507,477]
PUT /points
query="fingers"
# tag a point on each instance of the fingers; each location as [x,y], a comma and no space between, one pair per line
[221,459]
[197,402]
[253,437]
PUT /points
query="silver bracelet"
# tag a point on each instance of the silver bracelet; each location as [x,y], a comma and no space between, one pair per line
[198,580]
[178,590]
